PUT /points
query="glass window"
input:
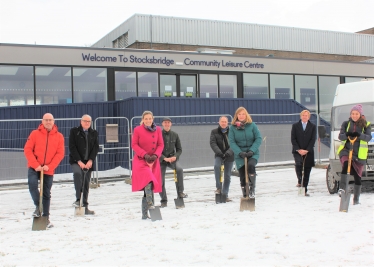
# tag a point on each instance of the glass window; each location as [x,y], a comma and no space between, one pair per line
[188,85]
[306,91]
[255,86]
[148,84]
[208,86]
[168,85]
[125,84]
[16,85]
[353,79]
[89,84]
[227,86]
[53,85]
[281,86]
[327,87]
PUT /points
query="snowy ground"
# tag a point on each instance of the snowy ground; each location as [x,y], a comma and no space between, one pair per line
[285,230]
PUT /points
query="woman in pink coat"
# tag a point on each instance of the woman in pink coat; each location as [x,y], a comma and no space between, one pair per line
[148,144]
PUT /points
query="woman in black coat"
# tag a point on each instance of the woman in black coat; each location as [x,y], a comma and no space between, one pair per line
[303,137]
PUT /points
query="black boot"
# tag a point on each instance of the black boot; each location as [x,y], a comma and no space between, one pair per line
[243,191]
[149,196]
[144,209]
[252,189]
[356,196]
[343,184]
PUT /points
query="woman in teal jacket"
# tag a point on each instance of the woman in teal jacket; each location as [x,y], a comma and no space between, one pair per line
[245,140]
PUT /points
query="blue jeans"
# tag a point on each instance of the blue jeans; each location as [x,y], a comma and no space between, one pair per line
[33,177]
[226,174]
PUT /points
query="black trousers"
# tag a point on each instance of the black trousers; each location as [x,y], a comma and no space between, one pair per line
[299,170]
[353,172]
[179,185]
[299,174]
[251,170]
[78,183]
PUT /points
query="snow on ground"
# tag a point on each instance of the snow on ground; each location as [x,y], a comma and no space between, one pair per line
[284,230]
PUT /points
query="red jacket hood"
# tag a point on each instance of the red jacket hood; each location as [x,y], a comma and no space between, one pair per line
[43,130]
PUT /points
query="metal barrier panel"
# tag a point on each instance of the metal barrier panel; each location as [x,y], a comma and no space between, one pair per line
[114,154]
[276,144]
[13,136]
[194,133]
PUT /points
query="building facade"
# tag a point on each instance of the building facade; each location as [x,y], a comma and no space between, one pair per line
[34,75]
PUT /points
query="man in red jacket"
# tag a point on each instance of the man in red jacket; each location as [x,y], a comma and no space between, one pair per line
[44,150]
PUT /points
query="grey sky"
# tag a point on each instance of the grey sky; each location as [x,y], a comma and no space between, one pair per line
[83,22]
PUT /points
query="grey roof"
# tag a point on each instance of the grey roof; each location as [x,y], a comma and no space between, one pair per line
[187,31]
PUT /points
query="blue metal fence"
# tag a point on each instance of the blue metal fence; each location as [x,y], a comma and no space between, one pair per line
[134,107]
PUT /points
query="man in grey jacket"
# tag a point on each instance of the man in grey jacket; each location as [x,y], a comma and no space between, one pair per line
[169,158]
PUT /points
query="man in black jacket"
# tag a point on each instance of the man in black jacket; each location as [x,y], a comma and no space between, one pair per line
[83,146]
[223,155]
[170,158]
[303,137]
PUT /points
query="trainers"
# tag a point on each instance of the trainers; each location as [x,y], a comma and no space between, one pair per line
[36,213]
[76,203]
[307,195]
[164,204]
[89,212]
[145,217]
[49,224]
[182,195]
[228,199]
[217,192]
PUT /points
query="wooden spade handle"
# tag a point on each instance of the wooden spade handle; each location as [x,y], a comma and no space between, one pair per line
[41,191]
[350,154]
[221,174]
[246,170]
[175,175]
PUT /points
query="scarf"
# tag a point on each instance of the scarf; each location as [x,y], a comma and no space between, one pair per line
[224,130]
[151,128]
[240,125]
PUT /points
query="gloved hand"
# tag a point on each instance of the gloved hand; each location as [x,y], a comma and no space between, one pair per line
[348,134]
[227,155]
[153,158]
[147,157]
[249,154]
[242,155]
[354,134]
[220,154]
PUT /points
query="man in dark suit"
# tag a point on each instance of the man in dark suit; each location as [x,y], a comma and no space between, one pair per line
[303,137]
[83,146]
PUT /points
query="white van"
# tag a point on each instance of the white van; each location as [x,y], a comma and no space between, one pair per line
[346,96]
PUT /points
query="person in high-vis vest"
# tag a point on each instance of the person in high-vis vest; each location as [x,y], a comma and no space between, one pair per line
[356,126]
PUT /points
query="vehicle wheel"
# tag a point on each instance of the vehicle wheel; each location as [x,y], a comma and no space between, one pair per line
[332,184]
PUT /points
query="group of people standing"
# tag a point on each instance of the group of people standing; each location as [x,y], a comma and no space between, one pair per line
[157,149]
